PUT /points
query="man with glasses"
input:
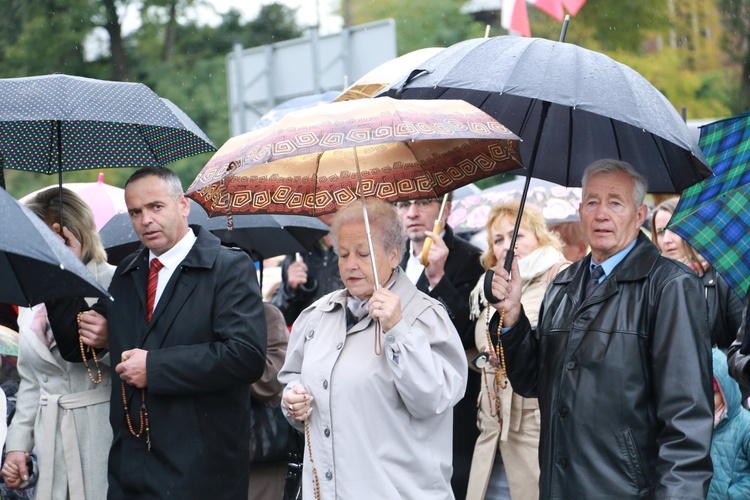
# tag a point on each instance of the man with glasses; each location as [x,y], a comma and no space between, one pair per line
[452,270]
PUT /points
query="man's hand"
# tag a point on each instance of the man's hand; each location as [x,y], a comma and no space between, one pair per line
[296,274]
[438,254]
[15,471]
[92,327]
[508,290]
[132,368]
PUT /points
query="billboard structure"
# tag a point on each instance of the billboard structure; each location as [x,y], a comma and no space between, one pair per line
[260,78]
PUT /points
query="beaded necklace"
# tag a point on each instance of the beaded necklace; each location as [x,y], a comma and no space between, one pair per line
[93,355]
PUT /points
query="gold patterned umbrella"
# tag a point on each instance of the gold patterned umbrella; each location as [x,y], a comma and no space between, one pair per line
[315,160]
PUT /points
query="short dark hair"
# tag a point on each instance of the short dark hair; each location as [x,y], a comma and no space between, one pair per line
[172,179]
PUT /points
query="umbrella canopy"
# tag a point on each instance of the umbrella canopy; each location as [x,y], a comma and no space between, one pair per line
[105,200]
[294,104]
[556,203]
[8,341]
[35,266]
[571,106]
[385,74]
[56,123]
[315,160]
[263,236]
[714,215]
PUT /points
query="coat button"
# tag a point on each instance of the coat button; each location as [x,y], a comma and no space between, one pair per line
[562,412]
[339,346]
[327,432]
[310,334]
[329,475]
[44,378]
[563,463]
[325,384]
[390,339]
[570,365]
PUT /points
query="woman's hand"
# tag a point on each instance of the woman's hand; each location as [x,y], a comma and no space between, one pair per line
[298,403]
[92,327]
[385,306]
[68,238]
[15,472]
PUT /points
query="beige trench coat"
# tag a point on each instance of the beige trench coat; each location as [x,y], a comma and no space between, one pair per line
[381,426]
[517,437]
[53,395]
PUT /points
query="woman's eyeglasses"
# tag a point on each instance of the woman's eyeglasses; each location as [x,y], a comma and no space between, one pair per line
[420,204]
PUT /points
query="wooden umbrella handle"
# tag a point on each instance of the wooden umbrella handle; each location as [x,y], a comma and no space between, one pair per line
[437,229]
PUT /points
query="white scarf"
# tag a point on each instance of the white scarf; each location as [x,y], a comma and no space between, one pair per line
[538,262]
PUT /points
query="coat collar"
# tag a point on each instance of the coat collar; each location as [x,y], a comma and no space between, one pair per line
[203,253]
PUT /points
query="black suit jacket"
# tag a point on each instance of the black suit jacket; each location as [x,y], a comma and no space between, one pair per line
[462,271]
[206,344]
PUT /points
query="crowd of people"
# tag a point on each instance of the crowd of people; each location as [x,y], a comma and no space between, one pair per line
[603,364]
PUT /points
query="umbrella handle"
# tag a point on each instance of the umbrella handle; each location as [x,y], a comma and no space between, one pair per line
[437,229]
[488,287]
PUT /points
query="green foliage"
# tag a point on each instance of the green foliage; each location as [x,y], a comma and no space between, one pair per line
[194,77]
[420,23]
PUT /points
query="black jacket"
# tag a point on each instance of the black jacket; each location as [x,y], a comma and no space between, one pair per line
[624,381]
[322,278]
[724,309]
[206,344]
[462,270]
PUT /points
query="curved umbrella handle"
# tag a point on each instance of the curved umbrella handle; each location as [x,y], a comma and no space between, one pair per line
[437,229]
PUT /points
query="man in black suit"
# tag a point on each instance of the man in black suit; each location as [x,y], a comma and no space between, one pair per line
[180,407]
[451,273]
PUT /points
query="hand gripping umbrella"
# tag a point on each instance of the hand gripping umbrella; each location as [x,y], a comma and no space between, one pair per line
[314,161]
[35,266]
[571,106]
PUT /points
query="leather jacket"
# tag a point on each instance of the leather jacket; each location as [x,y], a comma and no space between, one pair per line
[623,380]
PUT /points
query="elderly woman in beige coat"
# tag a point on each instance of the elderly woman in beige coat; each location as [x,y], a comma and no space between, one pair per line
[372,374]
[62,410]
[507,421]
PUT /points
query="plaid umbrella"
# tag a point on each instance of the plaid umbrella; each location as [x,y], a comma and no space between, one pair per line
[55,123]
[714,215]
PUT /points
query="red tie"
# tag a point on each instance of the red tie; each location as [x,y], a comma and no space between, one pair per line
[153,280]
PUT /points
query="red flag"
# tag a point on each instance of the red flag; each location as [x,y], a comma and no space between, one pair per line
[553,8]
[515,17]
[573,6]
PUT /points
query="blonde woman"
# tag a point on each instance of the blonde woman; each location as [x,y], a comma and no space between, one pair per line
[724,306]
[507,422]
[60,411]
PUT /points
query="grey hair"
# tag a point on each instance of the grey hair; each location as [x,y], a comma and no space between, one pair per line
[385,224]
[174,185]
[611,166]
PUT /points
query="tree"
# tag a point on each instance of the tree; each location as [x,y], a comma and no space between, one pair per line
[419,24]
[736,19]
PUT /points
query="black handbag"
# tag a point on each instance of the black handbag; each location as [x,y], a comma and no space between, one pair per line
[270,434]
[293,482]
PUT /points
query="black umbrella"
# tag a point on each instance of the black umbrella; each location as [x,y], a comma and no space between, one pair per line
[56,123]
[571,106]
[261,235]
[35,266]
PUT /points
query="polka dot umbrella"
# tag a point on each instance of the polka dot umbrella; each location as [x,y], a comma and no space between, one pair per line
[56,123]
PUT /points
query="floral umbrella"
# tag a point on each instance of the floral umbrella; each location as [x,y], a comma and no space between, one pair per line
[556,203]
